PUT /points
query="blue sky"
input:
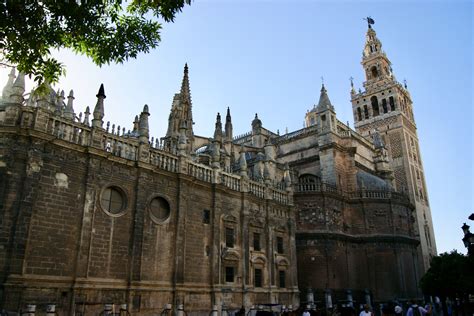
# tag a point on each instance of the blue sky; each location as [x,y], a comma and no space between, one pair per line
[269,56]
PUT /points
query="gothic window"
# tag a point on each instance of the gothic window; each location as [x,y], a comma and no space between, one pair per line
[280,248]
[229,237]
[374,72]
[256,242]
[384,105]
[282,278]
[366,111]
[392,103]
[159,209]
[359,114]
[375,105]
[206,216]
[112,200]
[258,277]
[229,274]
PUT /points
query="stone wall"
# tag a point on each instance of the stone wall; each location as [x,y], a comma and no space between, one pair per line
[60,245]
[354,243]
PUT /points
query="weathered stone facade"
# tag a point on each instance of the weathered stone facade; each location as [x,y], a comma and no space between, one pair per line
[92,214]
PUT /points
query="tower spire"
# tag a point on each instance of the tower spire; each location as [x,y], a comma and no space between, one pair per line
[324,102]
[228,126]
[99,108]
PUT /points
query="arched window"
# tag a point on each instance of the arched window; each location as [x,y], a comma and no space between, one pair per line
[374,72]
[392,103]
[375,105]
[366,111]
[384,105]
[359,114]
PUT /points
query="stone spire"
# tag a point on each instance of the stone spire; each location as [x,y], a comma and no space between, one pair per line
[143,127]
[69,111]
[59,103]
[228,126]
[218,129]
[99,108]
[185,82]
[7,90]
[86,116]
[324,102]
[18,88]
[135,124]
[181,113]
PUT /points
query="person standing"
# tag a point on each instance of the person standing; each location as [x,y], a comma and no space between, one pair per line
[416,310]
[366,311]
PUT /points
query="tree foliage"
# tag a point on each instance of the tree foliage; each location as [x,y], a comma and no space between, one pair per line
[449,274]
[104,30]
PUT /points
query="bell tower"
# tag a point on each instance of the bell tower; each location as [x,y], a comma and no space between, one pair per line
[384,106]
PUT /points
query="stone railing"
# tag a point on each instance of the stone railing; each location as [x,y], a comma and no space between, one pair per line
[163,160]
[117,142]
[120,146]
[279,196]
[359,194]
[69,131]
[294,134]
[201,172]
[231,181]
[257,189]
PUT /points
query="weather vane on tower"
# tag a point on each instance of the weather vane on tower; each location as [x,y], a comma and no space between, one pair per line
[370,21]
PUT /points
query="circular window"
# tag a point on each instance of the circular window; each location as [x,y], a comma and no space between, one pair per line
[159,209]
[112,200]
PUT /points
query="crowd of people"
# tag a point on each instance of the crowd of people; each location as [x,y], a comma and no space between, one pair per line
[411,308]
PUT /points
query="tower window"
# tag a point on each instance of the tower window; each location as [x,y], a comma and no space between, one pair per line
[282,278]
[229,237]
[392,103]
[229,274]
[256,242]
[374,72]
[384,105]
[366,112]
[375,105]
[206,216]
[258,277]
[359,114]
[280,244]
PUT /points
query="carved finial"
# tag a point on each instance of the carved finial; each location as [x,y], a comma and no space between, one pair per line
[7,90]
[18,88]
[113,128]
[118,130]
[135,124]
[108,125]
[69,111]
[143,128]
[86,116]
[405,83]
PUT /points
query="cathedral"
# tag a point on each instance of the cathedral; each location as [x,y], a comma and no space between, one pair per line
[94,214]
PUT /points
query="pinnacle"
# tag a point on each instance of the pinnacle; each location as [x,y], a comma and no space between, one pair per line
[101,92]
